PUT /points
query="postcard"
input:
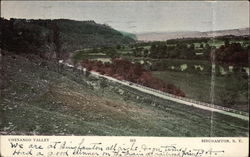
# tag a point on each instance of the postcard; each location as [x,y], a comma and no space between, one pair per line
[124,78]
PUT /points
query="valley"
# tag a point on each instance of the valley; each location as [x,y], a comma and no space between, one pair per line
[46,101]
[40,96]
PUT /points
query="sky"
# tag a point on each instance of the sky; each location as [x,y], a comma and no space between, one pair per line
[140,16]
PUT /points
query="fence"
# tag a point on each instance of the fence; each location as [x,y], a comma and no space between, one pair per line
[191,100]
[184,100]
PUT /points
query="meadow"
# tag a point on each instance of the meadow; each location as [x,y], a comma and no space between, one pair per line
[41,100]
[228,91]
[192,74]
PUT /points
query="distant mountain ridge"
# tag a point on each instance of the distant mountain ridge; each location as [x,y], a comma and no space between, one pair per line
[235,32]
[161,36]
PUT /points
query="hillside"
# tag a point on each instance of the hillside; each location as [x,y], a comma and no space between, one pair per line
[131,35]
[86,34]
[37,97]
[161,36]
[60,36]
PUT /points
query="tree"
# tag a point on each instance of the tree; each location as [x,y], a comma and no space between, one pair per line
[111,52]
[118,47]
[125,70]
[232,54]
[226,42]
[192,47]
[207,46]
[201,46]
[145,52]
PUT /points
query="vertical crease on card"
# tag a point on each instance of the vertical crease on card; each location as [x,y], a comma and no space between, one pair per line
[213,68]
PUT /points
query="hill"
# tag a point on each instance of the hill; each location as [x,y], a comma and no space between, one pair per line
[60,36]
[37,97]
[87,34]
[162,36]
[234,32]
[131,35]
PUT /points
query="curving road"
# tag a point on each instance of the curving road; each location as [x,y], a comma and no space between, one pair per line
[167,96]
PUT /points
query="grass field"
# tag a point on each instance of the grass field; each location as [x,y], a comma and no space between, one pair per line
[40,100]
[198,87]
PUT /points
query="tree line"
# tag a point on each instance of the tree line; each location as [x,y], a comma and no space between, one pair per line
[125,70]
[231,52]
[48,36]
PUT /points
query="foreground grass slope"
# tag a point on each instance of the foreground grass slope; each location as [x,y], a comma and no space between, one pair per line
[40,100]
